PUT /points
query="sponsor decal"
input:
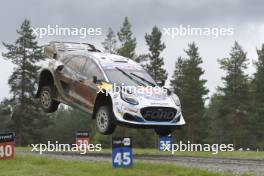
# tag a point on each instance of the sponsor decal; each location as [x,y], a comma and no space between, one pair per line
[159,103]
[156,114]
[130,109]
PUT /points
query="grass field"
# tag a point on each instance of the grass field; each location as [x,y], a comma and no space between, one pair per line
[26,165]
[235,154]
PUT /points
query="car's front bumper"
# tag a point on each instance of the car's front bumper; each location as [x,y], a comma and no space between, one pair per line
[129,115]
[149,124]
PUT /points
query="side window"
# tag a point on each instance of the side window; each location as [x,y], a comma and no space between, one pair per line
[91,69]
[76,63]
[65,59]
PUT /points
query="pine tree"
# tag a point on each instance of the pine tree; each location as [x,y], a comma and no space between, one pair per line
[178,76]
[128,43]
[214,123]
[236,96]
[5,117]
[24,54]
[155,45]
[187,79]
[258,84]
[109,43]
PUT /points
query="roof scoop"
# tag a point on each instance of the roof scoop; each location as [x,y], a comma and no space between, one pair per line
[54,48]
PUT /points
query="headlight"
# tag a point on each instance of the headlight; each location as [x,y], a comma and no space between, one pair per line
[176,99]
[128,97]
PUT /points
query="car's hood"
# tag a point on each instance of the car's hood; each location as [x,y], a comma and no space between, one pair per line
[153,96]
[149,96]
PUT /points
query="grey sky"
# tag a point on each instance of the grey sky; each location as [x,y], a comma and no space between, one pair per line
[246,17]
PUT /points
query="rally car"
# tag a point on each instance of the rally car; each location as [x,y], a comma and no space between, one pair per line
[81,76]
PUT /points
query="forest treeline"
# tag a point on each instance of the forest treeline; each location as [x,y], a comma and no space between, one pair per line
[233,115]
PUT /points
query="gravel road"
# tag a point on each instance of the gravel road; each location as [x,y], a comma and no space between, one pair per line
[227,165]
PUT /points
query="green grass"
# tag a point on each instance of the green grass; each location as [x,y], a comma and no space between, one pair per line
[27,165]
[234,154]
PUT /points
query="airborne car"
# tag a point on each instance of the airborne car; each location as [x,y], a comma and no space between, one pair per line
[81,76]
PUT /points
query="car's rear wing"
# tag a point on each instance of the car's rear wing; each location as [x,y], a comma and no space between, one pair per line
[53,49]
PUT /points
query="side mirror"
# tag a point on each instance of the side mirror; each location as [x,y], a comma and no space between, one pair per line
[161,83]
[58,66]
[95,80]
[169,92]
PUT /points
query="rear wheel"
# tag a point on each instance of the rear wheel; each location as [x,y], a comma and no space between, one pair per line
[47,103]
[163,131]
[105,120]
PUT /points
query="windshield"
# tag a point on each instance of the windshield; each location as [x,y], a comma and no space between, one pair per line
[129,77]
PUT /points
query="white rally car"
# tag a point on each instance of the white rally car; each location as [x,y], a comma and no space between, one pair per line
[114,89]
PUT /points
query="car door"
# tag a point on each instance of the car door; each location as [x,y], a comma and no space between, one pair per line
[69,76]
[86,90]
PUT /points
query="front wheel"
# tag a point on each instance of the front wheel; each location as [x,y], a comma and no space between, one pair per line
[48,104]
[105,120]
[163,131]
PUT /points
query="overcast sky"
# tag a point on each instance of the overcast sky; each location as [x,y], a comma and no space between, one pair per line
[246,17]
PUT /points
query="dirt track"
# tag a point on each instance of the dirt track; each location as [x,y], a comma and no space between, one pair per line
[227,165]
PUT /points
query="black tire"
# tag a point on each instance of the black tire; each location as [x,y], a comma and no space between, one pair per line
[105,120]
[163,131]
[47,103]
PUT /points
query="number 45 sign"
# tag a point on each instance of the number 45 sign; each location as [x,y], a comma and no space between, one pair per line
[122,152]
[7,146]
